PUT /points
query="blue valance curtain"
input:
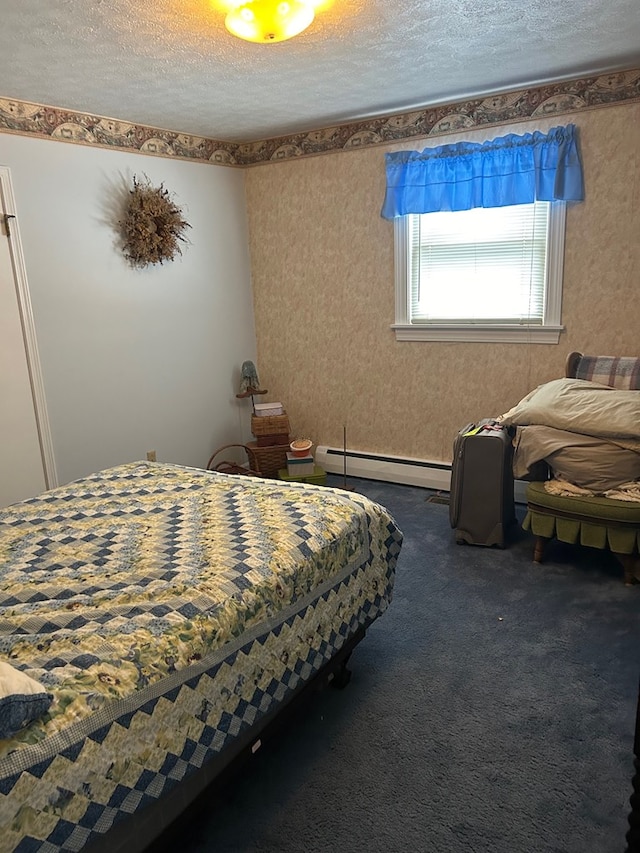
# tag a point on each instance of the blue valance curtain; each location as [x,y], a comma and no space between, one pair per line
[508,170]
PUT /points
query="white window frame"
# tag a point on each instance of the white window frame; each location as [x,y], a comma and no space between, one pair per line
[547,333]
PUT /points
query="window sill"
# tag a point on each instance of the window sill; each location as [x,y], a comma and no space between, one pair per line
[479,333]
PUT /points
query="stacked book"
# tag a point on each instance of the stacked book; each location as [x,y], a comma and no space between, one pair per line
[301,464]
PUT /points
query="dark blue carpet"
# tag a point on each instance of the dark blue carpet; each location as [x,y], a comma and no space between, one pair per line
[491,710]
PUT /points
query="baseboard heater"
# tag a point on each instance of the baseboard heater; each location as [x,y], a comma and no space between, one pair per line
[394,469]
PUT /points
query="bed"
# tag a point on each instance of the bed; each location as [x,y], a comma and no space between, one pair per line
[168,615]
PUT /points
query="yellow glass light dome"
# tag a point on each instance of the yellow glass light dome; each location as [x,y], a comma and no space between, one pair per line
[267,21]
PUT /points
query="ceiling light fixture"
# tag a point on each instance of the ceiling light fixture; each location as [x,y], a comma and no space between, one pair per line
[266,21]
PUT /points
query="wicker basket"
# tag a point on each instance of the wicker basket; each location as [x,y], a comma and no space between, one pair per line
[271,439]
[225,466]
[270,425]
[267,461]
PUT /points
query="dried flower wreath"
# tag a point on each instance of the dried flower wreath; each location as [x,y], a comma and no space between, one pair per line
[152,227]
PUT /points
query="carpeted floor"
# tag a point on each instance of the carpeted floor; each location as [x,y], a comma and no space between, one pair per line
[491,710]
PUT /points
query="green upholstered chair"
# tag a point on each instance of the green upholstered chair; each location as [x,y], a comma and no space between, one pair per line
[597,522]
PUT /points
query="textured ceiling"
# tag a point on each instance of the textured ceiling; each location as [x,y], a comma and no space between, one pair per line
[171,63]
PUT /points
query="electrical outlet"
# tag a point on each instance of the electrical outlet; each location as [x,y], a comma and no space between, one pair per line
[151,456]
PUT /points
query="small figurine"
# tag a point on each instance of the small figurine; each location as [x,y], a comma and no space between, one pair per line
[250,381]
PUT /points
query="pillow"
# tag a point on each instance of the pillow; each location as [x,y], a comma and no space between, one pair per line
[22,700]
[581,406]
[621,372]
[594,463]
[598,468]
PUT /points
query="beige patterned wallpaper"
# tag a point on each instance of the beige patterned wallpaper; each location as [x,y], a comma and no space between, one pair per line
[323,278]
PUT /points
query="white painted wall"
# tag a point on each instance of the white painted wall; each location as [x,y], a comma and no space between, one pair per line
[133,360]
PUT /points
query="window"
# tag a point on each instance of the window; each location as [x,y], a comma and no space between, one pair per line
[485,274]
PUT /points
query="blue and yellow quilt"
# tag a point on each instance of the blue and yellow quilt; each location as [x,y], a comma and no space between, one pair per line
[166,610]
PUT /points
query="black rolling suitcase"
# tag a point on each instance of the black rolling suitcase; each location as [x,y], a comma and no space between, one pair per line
[481,504]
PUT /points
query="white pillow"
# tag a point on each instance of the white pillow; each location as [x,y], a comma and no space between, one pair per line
[581,406]
[22,700]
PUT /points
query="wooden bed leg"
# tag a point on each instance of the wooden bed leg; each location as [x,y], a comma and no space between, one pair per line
[342,675]
[538,549]
[631,566]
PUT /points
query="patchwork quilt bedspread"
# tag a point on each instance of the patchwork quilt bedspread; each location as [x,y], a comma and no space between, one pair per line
[167,609]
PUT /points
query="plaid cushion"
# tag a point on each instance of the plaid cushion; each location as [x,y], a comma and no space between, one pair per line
[621,373]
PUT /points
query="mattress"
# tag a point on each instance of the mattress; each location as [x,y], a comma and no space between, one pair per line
[166,610]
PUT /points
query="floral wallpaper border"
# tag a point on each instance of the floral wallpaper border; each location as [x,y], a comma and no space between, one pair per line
[29,119]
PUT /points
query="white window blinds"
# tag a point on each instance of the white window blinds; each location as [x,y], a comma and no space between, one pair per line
[485,265]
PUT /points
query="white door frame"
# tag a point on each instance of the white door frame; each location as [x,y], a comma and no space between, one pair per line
[28,327]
